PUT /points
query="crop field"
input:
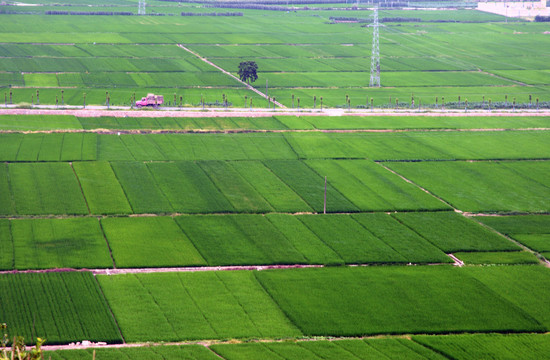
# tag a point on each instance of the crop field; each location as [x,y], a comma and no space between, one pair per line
[254,199]
[217,304]
[61,307]
[483,186]
[526,346]
[300,55]
[410,145]
[210,232]
[532,231]
[68,122]
[214,240]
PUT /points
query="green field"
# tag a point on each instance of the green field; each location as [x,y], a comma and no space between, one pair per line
[300,55]
[532,231]
[525,346]
[413,145]
[207,305]
[210,232]
[483,186]
[359,301]
[276,122]
[62,307]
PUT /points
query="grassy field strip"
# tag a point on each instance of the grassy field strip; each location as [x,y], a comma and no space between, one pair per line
[379,146]
[433,347]
[300,121]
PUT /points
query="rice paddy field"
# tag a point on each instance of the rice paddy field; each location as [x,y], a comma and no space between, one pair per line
[213,232]
[306,57]
[275,237]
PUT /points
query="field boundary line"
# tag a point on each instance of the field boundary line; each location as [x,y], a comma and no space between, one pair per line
[194,301]
[110,310]
[249,87]
[80,186]
[106,241]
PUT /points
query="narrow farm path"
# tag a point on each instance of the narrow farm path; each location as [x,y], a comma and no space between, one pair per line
[249,87]
[205,343]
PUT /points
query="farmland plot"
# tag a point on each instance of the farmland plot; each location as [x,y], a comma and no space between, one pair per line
[372,188]
[422,145]
[59,243]
[6,246]
[191,352]
[309,185]
[205,305]
[188,188]
[407,243]
[220,241]
[149,242]
[350,241]
[337,349]
[7,205]
[61,307]
[140,188]
[452,232]
[239,192]
[482,186]
[103,193]
[39,122]
[45,188]
[462,347]
[359,301]
[532,231]
[270,187]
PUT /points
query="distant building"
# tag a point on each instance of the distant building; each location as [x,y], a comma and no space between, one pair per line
[524,9]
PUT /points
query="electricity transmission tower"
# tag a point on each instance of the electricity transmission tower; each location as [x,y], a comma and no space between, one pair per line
[141,7]
[375,58]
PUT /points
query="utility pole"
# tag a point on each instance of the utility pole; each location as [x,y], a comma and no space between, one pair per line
[375,57]
[325,203]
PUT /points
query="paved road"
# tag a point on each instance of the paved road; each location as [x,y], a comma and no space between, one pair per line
[126,111]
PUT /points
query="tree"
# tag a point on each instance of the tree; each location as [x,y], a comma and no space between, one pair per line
[247,71]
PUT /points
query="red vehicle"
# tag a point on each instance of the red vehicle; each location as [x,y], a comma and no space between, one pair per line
[151,100]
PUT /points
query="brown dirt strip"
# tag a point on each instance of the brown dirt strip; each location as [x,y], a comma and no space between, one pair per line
[153,270]
[255,113]
[164,270]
